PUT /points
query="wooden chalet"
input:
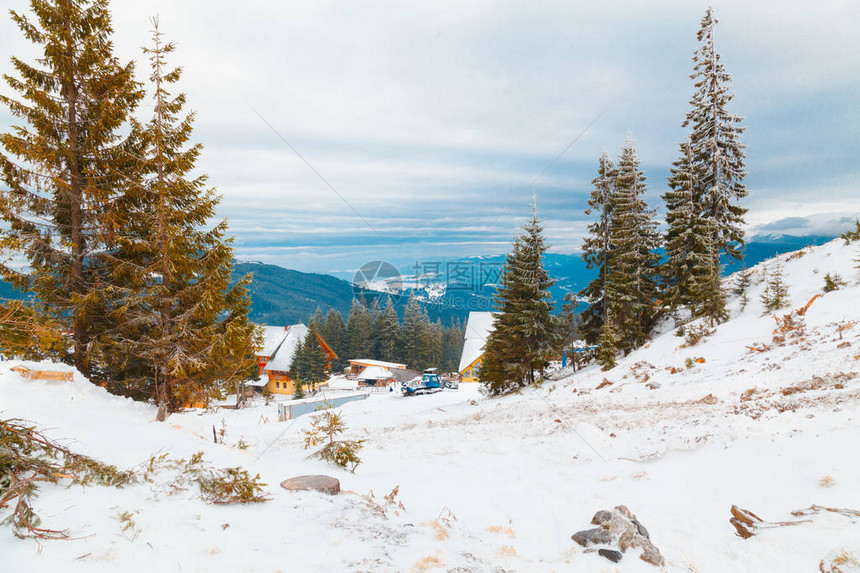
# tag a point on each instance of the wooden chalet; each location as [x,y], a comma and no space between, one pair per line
[282,348]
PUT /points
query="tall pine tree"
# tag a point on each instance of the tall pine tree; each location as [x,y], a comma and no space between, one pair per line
[66,163]
[691,270]
[597,247]
[713,160]
[524,331]
[178,328]
[631,284]
[715,143]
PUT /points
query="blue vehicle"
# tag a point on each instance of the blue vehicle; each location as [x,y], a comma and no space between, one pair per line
[428,384]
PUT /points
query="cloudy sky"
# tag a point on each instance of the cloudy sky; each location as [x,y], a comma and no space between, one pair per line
[431,120]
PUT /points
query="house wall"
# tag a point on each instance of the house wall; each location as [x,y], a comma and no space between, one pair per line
[262,361]
[280,383]
[472,373]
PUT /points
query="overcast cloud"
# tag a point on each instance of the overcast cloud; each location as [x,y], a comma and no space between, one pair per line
[431,118]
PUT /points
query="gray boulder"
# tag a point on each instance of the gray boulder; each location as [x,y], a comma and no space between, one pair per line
[596,536]
[320,483]
[611,554]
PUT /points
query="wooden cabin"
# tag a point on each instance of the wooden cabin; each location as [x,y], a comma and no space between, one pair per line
[277,366]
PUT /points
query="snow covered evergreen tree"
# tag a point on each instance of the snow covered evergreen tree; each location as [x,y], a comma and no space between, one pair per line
[631,287]
[524,336]
[742,286]
[691,273]
[65,163]
[597,247]
[706,185]
[775,294]
[715,142]
[177,328]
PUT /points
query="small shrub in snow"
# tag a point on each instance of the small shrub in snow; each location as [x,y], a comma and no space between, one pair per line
[696,334]
[127,524]
[268,396]
[853,235]
[216,485]
[833,282]
[230,485]
[324,427]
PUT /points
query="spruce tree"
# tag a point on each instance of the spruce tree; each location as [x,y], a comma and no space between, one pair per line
[715,142]
[524,331]
[317,360]
[388,332]
[177,327]
[631,285]
[712,165]
[374,322]
[334,335]
[742,286]
[691,273]
[414,335]
[453,347]
[317,321]
[775,294]
[596,247]
[300,363]
[358,330]
[629,291]
[66,162]
[610,341]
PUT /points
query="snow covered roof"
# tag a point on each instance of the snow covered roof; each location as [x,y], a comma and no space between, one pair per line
[284,356]
[382,363]
[273,337]
[375,373]
[478,328]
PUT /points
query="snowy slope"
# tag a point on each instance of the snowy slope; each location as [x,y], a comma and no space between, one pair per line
[501,484]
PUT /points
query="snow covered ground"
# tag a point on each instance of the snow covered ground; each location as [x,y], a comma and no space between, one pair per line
[501,484]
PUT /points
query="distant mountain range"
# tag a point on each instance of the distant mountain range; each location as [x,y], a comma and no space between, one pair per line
[283,296]
[448,290]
